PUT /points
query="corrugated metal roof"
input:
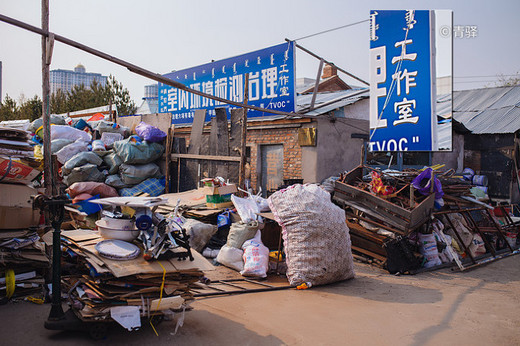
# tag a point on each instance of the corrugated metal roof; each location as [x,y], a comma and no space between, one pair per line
[477,99]
[490,121]
[341,98]
[488,111]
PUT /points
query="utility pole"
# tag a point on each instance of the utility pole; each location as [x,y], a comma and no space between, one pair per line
[47,164]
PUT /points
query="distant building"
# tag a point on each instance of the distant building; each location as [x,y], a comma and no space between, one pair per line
[66,79]
[150,103]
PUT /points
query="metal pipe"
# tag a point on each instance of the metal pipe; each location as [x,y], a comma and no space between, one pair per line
[139,70]
[327,62]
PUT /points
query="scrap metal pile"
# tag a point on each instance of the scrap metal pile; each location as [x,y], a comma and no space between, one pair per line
[408,220]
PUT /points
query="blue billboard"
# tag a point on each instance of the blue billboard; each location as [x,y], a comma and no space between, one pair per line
[402,80]
[271,84]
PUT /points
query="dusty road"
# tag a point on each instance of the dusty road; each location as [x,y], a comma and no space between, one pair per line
[480,307]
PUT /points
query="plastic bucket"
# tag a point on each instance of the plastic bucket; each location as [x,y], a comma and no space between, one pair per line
[468,173]
[87,207]
[480,180]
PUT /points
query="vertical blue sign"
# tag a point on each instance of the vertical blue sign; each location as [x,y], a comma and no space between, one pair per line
[402,76]
[271,84]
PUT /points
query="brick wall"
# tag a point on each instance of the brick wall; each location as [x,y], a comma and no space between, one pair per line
[292,152]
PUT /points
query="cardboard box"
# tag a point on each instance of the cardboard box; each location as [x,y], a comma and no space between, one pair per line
[16,207]
[221,190]
[19,172]
[219,205]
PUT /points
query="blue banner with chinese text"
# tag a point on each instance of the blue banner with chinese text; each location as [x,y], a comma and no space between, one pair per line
[271,84]
[402,114]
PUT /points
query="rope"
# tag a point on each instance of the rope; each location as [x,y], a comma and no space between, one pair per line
[160,296]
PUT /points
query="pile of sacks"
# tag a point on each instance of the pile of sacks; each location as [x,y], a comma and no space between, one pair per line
[104,152]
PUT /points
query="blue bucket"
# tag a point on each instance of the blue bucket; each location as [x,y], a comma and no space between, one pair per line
[480,180]
[87,207]
[468,173]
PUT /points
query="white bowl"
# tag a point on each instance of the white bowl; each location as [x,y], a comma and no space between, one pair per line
[115,233]
[122,224]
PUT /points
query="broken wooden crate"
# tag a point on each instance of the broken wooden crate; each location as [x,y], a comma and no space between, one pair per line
[402,220]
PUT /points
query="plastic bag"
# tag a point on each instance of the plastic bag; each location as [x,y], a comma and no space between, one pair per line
[92,188]
[422,183]
[246,208]
[231,257]
[240,232]
[88,172]
[429,250]
[36,124]
[69,132]
[58,144]
[134,153]
[68,151]
[81,159]
[153,186]
[109,138]
[477,246]
[134,174]
[256,257]
[199,232]
[113,162]
[115,181]
[149,133]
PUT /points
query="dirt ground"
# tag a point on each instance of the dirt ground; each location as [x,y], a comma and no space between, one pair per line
[479,307]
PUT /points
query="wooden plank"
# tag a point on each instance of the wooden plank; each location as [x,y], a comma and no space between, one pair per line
[162,121]
[206,157]
[181,173]
[222,145]
[195,147]
[234,142]
[169,141]
[369,253]
[212,147]
[243,138]
[365,244]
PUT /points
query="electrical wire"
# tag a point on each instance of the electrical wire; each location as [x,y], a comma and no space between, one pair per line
[333,29]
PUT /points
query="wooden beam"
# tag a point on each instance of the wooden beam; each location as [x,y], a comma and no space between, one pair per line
[205,157]
[243,139]
[316,85]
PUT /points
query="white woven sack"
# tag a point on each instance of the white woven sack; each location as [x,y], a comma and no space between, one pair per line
[316,236]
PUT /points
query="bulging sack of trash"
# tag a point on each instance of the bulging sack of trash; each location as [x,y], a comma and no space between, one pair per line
[137,153]
[200,233]
[256,257]
[68,151]
[315,233]
[246,208]
[115,181]
[88,172]
[149,133]
[135,174]
[113,162]
[54,119]
[69,132]
[91,188]
[109,138]
[81,159]
[231,257]
[239,232]
[60,143]
[429,250]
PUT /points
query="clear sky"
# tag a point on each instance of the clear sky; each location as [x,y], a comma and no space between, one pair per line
[166,35]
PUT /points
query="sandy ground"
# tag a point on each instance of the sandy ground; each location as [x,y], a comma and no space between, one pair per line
[479,307]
